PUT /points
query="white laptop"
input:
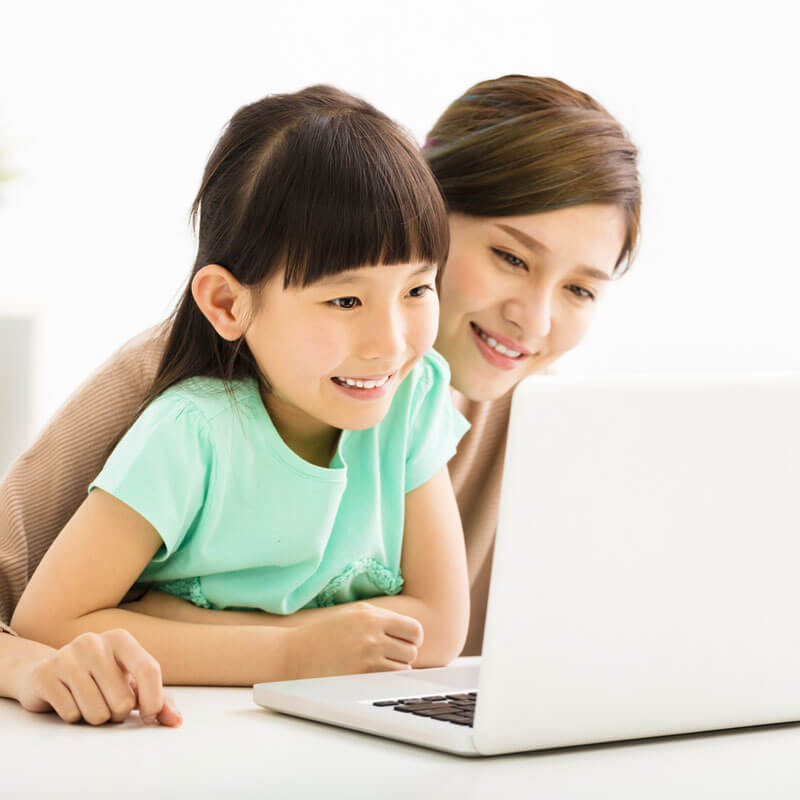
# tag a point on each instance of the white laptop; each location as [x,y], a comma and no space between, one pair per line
[645,576]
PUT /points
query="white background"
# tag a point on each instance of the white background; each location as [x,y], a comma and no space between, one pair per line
[108,112]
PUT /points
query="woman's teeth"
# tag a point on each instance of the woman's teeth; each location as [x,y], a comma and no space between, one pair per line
[500,348]
[362,384]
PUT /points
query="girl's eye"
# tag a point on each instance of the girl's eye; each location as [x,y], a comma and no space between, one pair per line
[345,302]
[580,292]
[514,261]
[421,291]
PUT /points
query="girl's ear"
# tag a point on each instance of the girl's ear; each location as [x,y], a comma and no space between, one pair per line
[222,299]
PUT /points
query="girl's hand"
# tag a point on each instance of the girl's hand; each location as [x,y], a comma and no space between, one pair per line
[353,638]
[98,677]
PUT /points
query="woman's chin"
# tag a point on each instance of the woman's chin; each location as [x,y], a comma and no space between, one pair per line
[481,390]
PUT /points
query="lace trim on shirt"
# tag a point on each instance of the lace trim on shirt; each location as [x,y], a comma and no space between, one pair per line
[187,589]
[385,580]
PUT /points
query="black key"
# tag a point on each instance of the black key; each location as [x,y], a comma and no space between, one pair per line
[463,696]
[434,697]
[430,712]
[410,700]
[386,702]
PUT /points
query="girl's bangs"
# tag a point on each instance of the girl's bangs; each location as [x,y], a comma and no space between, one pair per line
[344,192]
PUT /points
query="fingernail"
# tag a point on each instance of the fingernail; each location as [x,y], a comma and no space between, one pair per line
[149,719]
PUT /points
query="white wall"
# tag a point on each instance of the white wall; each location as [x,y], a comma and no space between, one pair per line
[109,110]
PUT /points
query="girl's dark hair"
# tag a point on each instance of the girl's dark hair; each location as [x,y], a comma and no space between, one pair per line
[312,183]
[522,145]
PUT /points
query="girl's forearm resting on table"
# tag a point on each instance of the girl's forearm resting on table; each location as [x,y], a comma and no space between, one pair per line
[442,643]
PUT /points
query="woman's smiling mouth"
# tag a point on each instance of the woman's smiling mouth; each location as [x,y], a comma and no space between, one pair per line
[498,351]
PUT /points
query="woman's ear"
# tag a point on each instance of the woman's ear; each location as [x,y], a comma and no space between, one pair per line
[222,299]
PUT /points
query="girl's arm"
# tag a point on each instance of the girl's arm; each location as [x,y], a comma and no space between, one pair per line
[434,565]
[435,588]
[85,574]
[103,550]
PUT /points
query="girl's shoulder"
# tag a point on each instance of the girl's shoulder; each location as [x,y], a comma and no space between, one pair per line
[424,393]
[211,397]
[204,403]
[431,371]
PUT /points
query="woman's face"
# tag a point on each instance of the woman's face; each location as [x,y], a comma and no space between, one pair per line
[518,292]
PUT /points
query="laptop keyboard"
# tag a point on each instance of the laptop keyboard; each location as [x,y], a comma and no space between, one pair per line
[458,709]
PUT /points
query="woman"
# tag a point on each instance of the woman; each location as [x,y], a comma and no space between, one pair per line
[544,200]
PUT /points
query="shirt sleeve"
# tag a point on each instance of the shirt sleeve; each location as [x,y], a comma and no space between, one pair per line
[435,426]
[161,468]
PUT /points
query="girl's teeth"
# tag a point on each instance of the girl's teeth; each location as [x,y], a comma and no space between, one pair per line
[364,384]
[502,349]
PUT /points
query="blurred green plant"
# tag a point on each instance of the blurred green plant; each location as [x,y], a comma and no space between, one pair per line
[4,173]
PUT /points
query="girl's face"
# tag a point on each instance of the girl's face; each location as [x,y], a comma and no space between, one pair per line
[365,326]
[518,292]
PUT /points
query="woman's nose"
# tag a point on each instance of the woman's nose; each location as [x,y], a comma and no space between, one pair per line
[533,314]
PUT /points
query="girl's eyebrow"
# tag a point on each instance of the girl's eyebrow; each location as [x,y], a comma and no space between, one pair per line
[352,275]
[533,244]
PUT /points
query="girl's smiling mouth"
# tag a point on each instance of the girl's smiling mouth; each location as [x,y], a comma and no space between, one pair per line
[366,388]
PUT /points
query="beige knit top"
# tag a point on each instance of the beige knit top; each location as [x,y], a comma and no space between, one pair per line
[49,481]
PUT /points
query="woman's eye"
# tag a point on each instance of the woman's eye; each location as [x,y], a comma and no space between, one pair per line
[579,291]
[514,261]
[345,302]
[421,291]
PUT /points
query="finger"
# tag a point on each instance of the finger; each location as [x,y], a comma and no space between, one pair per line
[403,627]
[169,714]
[113,684]
[399,650]
[87,695]
[144,670]
[60,699]
[387,665]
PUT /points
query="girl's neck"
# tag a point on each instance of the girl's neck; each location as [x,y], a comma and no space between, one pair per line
[312,440]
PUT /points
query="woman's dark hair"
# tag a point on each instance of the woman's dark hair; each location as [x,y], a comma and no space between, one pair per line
[521,145]
[312,183]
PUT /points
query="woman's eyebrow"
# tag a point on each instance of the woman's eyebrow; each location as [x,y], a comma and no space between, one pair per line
[524,238]
[534,244]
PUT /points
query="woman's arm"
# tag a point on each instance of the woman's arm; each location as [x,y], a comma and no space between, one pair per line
[95,678]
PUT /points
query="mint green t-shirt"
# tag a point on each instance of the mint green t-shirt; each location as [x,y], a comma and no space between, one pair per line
[247,523]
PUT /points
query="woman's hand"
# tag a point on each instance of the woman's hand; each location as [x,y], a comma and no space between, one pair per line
[97,677]
[353,638]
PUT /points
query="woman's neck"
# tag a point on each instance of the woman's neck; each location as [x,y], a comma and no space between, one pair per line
[314,441]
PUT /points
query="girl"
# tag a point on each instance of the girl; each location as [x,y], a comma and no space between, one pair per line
[556,191]
[291,452]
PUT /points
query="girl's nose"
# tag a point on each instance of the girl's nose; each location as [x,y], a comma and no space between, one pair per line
[383,338]
[531,314]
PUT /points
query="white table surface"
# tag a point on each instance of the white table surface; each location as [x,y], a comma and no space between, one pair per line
[230,748]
